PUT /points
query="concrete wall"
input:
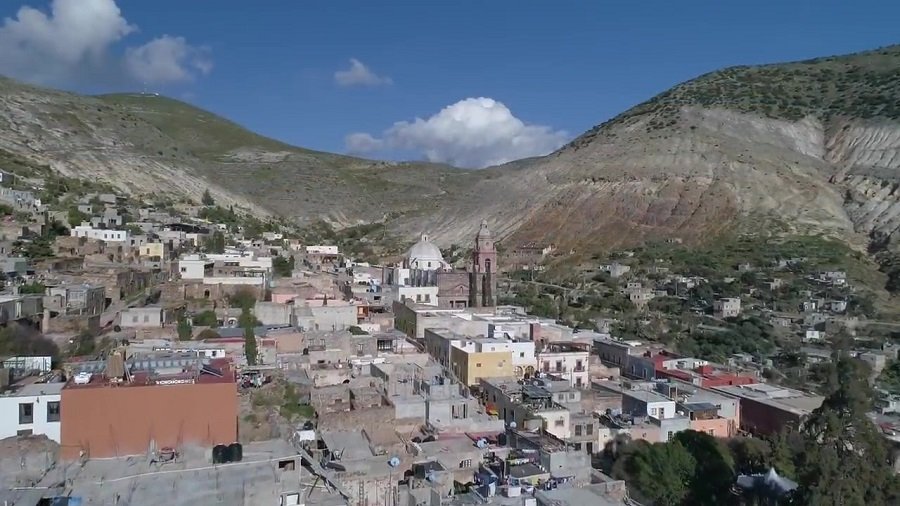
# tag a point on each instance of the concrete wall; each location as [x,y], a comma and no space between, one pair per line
[109,421]
[408,407]
[141,317]
[9,416]
[272,313]
[334,317]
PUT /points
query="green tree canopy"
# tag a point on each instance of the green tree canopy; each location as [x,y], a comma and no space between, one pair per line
[206,318]
[207,199]
[845,460]
[660,472]
[76,217]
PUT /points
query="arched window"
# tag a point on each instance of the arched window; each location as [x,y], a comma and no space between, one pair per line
[487,265]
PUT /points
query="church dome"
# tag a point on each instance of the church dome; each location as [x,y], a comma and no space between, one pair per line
[425,255]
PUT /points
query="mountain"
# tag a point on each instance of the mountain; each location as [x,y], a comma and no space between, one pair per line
[146,144]
[809,147]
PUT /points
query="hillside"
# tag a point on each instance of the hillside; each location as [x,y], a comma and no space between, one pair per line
[812,147]
[146,144]
[805,147]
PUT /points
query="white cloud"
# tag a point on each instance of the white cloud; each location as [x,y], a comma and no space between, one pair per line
[359,143]
[167,59]
[74,40]
[475,132]
[45,48]
[360,75]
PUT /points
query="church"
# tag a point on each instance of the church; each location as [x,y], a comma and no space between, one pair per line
[425,277]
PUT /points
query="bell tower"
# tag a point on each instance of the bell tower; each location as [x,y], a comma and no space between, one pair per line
[483,278]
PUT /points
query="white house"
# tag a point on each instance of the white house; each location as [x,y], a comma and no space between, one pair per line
[321,250]
[31,410]
[647,403]
[566,361]
[813,335]
[194,267]
[101,234]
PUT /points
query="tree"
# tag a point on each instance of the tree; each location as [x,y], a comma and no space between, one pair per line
[889,379]
[283,267]
[659,472]
[751,455]
[18,339]
[845,460]
[185,332]
[206,318]
[215,243]
[207,199]
[714,470]
[34,288]
[76,217]
[250,350]
[242,298]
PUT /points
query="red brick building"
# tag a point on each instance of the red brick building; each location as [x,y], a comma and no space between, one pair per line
[109,419]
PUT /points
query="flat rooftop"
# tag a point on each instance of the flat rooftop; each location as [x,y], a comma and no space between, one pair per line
[646,396]
[36,389]
[787,399]
[190,481]
[571,496]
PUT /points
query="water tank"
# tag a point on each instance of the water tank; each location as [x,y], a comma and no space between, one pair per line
[235,452]
[220,454]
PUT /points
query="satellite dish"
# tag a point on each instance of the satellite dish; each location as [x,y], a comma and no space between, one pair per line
[512,425]
[394,462]
[481,443]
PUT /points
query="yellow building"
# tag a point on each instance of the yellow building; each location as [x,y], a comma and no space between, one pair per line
[153,249]
[470,366]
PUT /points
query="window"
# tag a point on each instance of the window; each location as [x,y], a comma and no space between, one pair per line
[588,429]
[25,432]
[53,411]
[546,366]
[571,396]
[578,447]
[669,436]
[478,364]
[578,430]
[559,422]
[26,413]
[184,269]
[652,411]
[465,463]
[146,318]
[559,365]
[522,355]
[133,318]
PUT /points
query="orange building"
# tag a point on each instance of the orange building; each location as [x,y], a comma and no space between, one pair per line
[112,419]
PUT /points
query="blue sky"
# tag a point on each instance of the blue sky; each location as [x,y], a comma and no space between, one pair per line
[552,69]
